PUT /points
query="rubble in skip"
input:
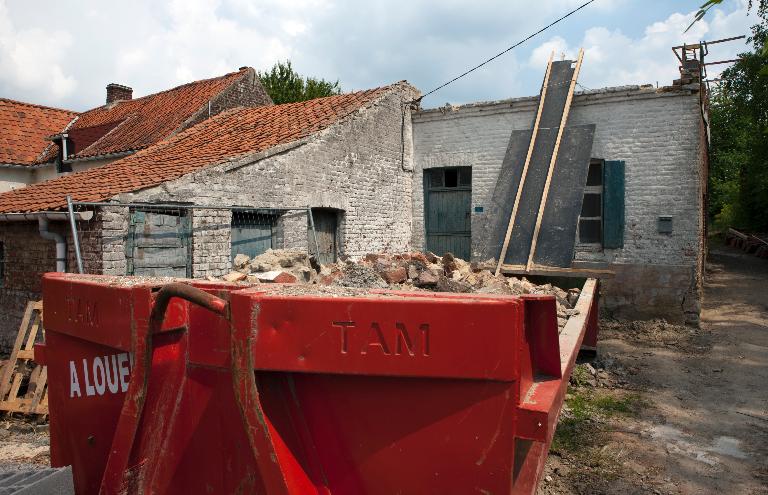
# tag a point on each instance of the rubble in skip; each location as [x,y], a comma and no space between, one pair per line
[406,271]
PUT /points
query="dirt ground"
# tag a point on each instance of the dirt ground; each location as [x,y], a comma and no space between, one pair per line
[668,409]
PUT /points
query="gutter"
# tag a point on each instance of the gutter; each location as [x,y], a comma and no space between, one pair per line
[47,215]
[104,156]
[22,166]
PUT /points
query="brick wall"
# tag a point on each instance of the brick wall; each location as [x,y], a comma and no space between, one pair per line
[362,166]
[27,257]
[657,134]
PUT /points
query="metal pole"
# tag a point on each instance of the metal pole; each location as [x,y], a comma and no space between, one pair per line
[75,239]
[314,233]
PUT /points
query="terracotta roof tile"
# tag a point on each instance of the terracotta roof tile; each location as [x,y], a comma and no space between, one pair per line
[24,128]
[135,124]
[226,136]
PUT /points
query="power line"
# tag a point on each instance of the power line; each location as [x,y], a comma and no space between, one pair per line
[507,50]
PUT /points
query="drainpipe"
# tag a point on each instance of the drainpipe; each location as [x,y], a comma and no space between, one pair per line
[61,245]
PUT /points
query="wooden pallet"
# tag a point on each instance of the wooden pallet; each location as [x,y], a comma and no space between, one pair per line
[35,398]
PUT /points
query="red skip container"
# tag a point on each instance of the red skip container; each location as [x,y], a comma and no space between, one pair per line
[199,387]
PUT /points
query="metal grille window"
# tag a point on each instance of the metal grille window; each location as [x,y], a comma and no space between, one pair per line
[591,218]
[253,231]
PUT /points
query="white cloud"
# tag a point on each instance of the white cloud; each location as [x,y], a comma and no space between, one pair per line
[34,57]
[540,55]
[613,58]
[64,53]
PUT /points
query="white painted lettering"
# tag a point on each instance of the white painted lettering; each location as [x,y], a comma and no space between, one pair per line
[111,363]
[122,361]
[74,383]
[89,390]
[99,377]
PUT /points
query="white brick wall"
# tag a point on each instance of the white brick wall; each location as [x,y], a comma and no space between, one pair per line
[655,133]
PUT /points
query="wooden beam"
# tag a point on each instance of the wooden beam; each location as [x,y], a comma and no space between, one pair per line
[519,192]
[551,271]
[552,162]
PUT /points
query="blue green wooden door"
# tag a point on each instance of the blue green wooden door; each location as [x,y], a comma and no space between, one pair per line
[158,244]
[251,233]
[447,206]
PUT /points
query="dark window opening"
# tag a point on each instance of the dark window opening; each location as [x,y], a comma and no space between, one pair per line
[435,178]
[595,175]
[590,231]
[465,176]
[591,218]
[63,142]
[451,177]
[592,206]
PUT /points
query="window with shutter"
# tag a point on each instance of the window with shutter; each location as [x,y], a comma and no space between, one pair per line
[590,232]
[613,204]
[601,222]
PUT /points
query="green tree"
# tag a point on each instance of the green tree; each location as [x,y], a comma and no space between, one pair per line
[285,85]
[762,9]
[738,181]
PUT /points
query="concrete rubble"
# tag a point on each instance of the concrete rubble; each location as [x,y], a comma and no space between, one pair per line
[406,271]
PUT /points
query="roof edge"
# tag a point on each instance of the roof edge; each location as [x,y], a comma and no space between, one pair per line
[647,90]
[236,162]
[36,105]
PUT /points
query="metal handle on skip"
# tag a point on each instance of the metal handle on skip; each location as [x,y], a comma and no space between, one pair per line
[128,424]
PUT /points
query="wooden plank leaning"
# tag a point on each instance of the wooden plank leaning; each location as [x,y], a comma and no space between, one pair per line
[552,162]
[519,192]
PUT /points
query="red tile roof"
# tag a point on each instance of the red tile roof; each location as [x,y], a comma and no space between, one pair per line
[231,134]
[135,124]
[24,128]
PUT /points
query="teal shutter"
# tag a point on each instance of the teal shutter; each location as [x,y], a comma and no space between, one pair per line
[613,204]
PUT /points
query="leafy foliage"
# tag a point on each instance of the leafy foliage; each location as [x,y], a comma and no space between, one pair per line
[285,85]
[762,9]
[738,183]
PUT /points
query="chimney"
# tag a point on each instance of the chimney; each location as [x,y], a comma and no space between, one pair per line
[116,92]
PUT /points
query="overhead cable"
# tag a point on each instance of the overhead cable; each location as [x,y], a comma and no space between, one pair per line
[505,51]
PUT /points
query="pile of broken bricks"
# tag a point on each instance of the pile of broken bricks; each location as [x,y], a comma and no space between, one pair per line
[407,271]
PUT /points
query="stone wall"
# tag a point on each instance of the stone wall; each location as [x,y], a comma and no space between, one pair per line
[657,134]
[361,166]
[211,231]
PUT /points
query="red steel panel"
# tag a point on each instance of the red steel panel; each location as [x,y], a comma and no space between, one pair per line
[368,393]
[382,334]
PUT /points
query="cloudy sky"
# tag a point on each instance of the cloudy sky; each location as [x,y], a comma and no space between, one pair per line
[64,53]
